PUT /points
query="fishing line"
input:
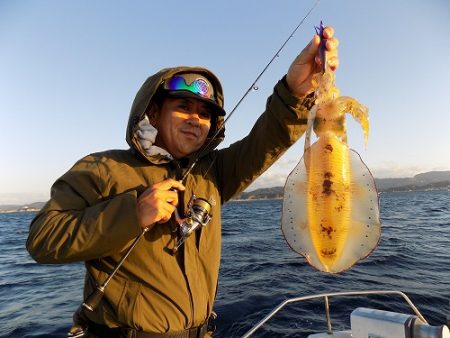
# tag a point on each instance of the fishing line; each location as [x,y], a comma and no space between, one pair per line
[252,87]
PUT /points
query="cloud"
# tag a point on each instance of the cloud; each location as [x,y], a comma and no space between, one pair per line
[276,175]
[395,170]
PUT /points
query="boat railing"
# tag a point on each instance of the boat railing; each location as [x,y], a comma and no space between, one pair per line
[326,297]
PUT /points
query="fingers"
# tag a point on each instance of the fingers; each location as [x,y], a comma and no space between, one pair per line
[331,44]
[165,196]
[169,184]
[157,203]
[309,51]
[299,72]
[165,213]
[328,32]
[332,53]
[331,47]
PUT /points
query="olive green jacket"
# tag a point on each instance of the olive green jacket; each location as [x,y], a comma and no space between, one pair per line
[91,217]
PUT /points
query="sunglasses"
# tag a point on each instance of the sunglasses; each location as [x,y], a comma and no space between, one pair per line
[198,86]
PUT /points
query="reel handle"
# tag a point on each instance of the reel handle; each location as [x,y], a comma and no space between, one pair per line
[80,324]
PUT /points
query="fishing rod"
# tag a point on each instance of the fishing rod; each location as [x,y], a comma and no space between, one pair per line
[197,215]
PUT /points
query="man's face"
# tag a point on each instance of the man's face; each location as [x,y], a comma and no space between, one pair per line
[183,125]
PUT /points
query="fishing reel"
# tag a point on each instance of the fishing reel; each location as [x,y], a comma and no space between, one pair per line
[198,215]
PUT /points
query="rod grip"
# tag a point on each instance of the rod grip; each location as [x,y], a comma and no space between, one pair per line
[93,299]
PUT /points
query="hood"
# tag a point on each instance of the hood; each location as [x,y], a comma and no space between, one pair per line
[145,95]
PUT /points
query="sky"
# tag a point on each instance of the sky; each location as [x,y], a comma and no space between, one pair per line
[69,71]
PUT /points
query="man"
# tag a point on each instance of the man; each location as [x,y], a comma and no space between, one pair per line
[106,200]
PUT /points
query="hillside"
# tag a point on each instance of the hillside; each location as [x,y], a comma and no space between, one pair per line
[36,206]
[433,180]
[265,193]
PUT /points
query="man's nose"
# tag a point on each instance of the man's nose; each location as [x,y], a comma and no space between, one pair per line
[193,118]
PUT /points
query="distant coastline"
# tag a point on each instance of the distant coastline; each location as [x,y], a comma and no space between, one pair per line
[277,192]
[10,208]
[429,181]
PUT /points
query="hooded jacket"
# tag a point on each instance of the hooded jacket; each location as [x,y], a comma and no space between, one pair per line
[91,216]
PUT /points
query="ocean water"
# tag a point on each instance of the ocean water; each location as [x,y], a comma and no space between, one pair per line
[258,272]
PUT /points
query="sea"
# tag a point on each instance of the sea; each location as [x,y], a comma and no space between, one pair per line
[258,273]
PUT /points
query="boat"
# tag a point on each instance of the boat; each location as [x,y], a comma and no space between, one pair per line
[369,322]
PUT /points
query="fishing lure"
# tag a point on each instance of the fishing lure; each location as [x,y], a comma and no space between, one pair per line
[330,206]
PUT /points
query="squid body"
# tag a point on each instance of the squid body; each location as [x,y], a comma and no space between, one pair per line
[330,207]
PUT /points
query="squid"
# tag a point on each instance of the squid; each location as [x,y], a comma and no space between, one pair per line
[330,211]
